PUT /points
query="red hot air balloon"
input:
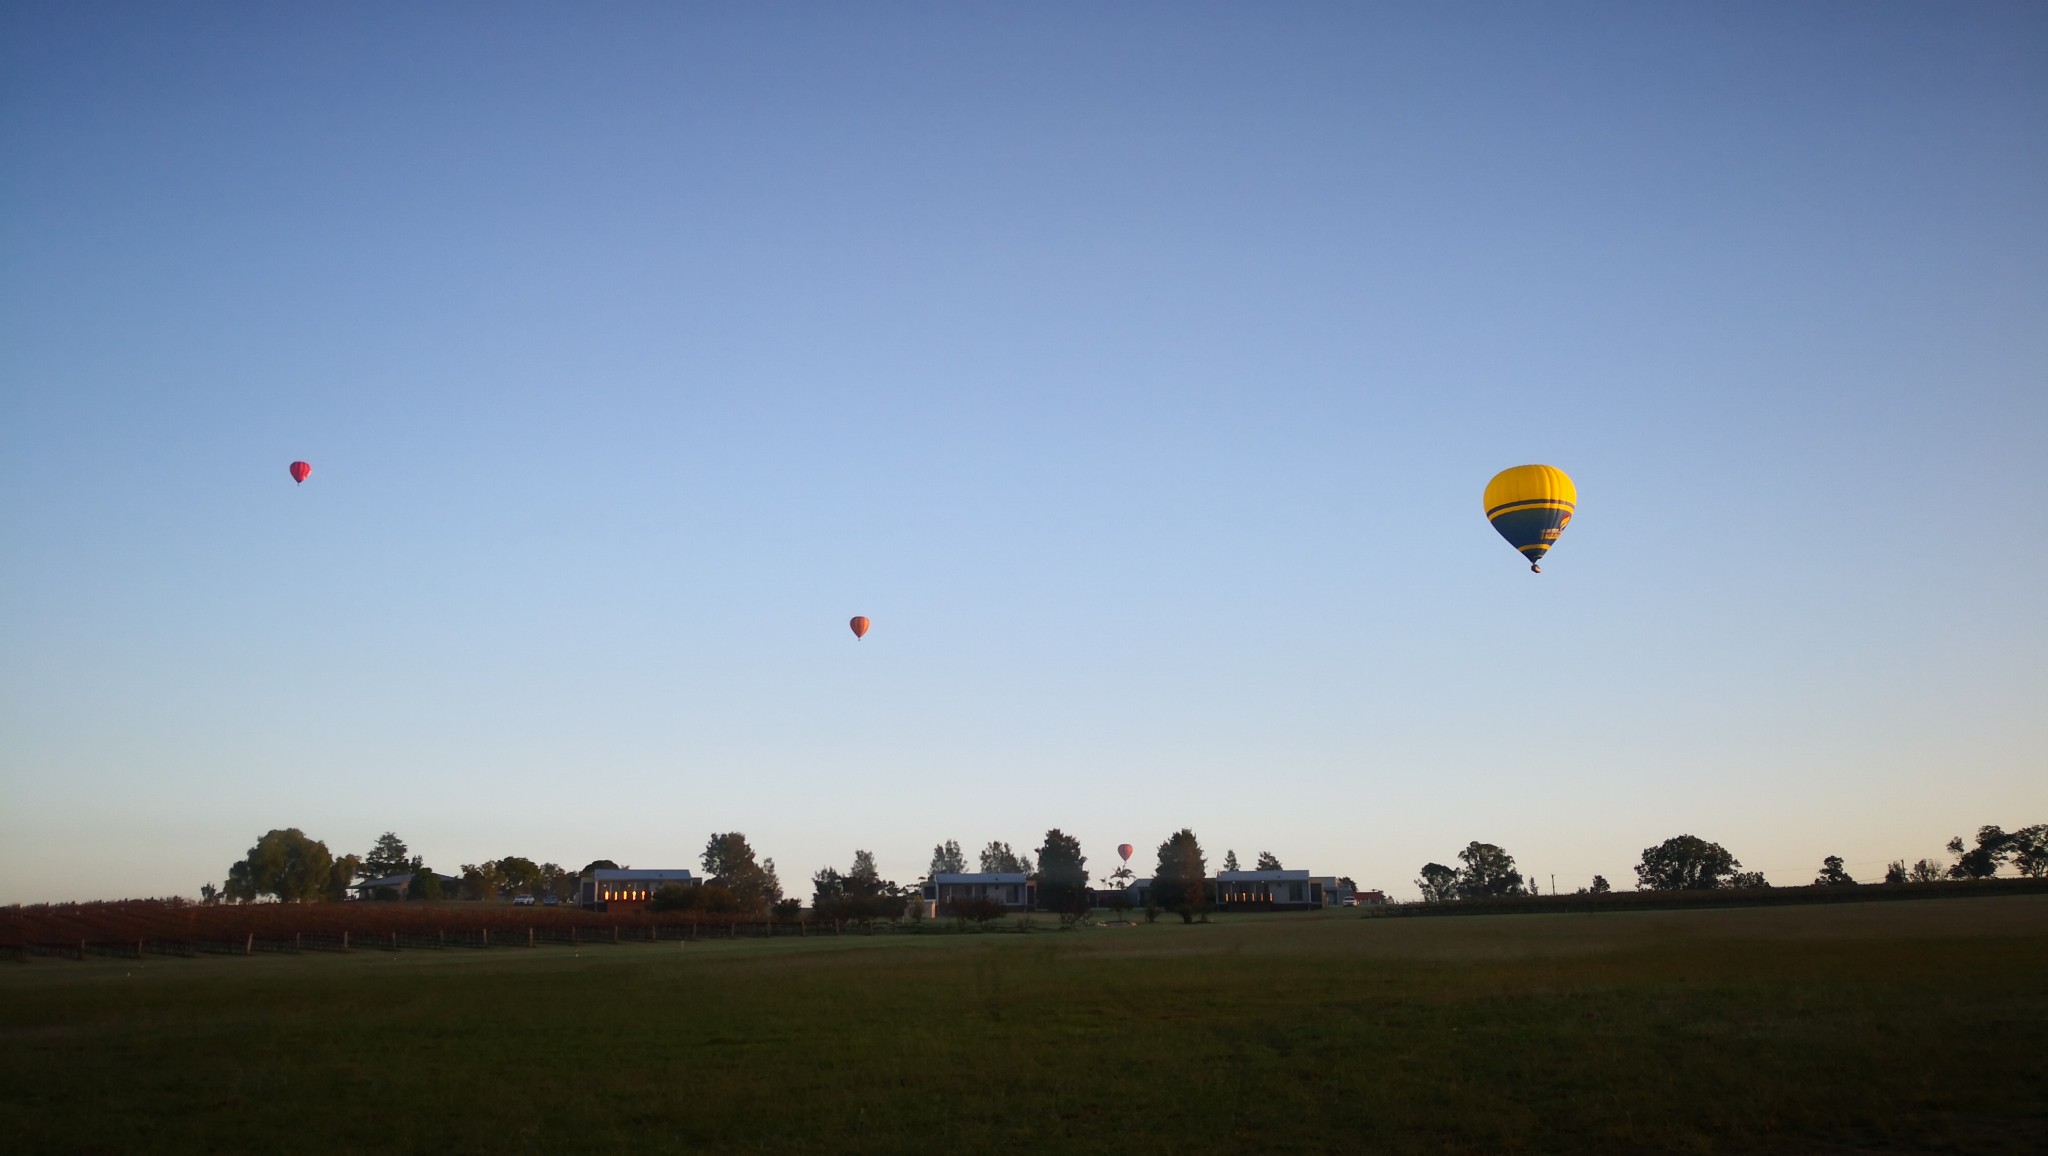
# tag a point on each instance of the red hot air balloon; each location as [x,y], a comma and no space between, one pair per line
[1125,849]
[860,626]
[301,471]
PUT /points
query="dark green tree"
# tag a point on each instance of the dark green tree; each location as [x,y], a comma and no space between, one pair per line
[1895,871]
[598,865]
[1926,871]
[425,885]
[1268,862]
[1230,861]
[1983,860]
[1181,882]
[865,875]
[1685,863]
[828,886]
[1438,884]
[521,876]
[1832,874]
[1062,874]
[998,857]
[344,872]
[1600,885]
[285,864]
[390,856]
[482,880]
[556,882]
[1489,872]
[1751,880]
[947,859]
[860,895]
[2029,847]
[729,860]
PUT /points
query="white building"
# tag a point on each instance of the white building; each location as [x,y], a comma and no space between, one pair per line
[1267,890]
[1013,890]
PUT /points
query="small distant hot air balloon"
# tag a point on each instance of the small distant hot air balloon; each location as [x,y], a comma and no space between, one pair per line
[1531,506]
[301,471]
[860,626]
[1125,849]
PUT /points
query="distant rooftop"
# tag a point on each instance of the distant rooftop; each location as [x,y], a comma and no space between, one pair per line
[400,880]
[984,877]
[614,874]
[1260,876]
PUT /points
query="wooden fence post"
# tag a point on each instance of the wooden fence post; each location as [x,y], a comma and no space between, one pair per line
[249,944]
[138,949]
[81,951]
[298,943]
[394,941]
[344,941]
[529,937]
[487,937]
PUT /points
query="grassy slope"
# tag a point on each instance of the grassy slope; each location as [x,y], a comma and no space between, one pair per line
[1879,1027]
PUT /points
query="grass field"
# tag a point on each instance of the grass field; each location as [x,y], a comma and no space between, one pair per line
[1883,1027]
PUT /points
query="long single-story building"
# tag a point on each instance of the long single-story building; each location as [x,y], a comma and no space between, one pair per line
[400,886]
[1014,890]
[624,888]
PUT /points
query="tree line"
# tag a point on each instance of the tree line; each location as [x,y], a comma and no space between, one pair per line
[1689,863]
[288,866]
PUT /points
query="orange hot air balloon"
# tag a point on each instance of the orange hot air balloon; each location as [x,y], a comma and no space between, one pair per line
[301,471]
[1125,849]
[860,626]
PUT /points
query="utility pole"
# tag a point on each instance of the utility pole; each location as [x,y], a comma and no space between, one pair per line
[1553,882]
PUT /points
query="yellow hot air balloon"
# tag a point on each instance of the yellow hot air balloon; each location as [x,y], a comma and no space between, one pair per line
[1531,506]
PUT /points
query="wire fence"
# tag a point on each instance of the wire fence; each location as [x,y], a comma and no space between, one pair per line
[139,930]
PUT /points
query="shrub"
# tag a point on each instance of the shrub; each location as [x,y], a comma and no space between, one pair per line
[673,897]
[981,909]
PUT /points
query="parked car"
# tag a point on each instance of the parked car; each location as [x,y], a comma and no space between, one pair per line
[522,901]
[550,901]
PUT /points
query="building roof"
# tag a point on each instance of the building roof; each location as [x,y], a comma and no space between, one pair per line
[617,874]
[399,881]
[1262,876]
[984,877]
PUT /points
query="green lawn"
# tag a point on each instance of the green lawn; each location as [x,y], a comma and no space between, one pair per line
[1883,1027]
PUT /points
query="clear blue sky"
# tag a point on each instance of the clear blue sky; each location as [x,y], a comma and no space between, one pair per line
[1135,368]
